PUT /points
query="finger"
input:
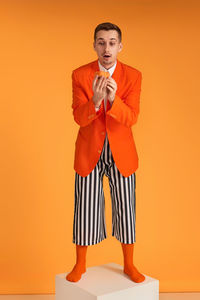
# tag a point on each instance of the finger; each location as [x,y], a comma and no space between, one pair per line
[110,85]
[96,77]
[96,83]
[95,80]
[102,83]
[110,88]
[100,78]
[112,82]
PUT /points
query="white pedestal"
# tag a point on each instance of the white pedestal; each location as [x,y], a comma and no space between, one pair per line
[106,282]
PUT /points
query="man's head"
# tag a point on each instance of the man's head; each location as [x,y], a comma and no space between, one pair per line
[107,41]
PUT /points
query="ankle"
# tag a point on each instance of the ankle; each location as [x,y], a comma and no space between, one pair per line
[81,252]
[81,262]
[128,263]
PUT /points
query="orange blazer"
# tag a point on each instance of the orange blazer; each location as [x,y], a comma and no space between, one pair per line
[116,121]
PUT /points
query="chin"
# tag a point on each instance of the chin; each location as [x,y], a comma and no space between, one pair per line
[107,62]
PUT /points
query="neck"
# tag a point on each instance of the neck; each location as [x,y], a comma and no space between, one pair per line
[107,67]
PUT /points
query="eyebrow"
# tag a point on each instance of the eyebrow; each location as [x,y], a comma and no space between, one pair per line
[103,39]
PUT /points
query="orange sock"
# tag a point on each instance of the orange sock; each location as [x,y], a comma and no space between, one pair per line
[80,266]
[129,268]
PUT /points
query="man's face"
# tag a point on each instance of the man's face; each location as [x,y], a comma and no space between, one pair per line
[107,43]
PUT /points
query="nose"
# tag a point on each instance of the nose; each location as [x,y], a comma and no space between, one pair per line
[107,47]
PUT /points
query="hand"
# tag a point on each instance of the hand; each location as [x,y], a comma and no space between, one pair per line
[99,89]
[111,89]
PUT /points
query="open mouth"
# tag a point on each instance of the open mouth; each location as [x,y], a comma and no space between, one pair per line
[106,56]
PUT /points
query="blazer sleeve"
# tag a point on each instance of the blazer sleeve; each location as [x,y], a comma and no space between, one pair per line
[83,108]
[126,112]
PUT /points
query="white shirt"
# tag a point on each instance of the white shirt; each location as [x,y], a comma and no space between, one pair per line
[111,70]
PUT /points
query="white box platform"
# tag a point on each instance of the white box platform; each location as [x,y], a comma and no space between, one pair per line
[106,282]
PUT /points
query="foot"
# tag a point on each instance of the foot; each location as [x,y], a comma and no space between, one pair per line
[76,273]
[133,273]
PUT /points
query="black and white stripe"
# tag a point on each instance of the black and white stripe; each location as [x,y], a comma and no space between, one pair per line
[89,226]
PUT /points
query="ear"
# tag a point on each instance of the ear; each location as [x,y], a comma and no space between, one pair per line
[120,47]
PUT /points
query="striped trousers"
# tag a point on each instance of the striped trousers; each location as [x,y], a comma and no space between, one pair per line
[89,226]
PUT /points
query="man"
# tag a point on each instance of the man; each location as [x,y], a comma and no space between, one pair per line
[105,109]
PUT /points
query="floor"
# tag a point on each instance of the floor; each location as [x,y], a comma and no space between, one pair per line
[162,296]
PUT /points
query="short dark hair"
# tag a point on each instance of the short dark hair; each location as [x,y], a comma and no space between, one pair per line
[108,26]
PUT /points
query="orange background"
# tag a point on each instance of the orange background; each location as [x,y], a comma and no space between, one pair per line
[41,43]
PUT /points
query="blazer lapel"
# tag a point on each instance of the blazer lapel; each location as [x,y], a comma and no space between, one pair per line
[94,68]
[117,72]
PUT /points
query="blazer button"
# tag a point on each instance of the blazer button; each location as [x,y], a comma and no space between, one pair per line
[99,151]
[102,132]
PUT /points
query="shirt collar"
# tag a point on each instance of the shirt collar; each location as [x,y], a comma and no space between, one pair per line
[111,70]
